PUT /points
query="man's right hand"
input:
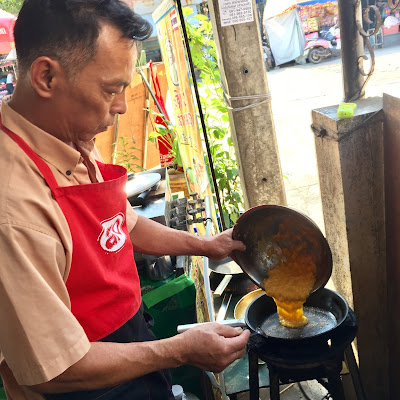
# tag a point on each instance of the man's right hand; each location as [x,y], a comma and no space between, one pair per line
[212,346]
[209,346]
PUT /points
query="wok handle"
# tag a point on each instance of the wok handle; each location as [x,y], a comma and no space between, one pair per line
[222,285]
[230,322]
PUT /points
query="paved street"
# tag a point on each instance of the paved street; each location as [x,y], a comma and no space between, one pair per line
[298,89]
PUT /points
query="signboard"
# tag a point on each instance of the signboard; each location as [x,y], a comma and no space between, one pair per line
[173,54]
[234,12]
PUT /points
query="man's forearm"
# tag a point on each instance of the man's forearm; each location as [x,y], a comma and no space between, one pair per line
[109,364]
[149,237]
[208,346]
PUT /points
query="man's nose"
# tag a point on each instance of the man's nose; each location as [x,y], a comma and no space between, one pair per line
[119,105]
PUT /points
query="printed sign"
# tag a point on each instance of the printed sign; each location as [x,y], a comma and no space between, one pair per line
[173,54]
[234,12]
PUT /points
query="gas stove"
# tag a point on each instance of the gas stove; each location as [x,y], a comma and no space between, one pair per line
[315,359]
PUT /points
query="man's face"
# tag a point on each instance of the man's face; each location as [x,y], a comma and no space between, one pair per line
[87,104]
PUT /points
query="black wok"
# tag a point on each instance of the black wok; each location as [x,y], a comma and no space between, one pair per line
[257,229]
[325,309]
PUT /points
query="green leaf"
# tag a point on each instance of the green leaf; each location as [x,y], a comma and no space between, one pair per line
[226,219]
[234,217]
[218,133]
[229,174]
[216,117]
[200,17]
[187,11]
[225,117]
[11,6]
[237,196]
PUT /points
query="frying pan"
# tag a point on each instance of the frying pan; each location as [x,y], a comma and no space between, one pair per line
[325,309]
[226,268]
[257,229]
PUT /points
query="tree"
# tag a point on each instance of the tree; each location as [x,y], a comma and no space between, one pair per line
[11,6]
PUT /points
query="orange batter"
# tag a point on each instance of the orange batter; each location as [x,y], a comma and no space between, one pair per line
[292,278]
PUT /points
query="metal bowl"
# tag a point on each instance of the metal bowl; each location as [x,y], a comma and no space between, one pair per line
[257,227]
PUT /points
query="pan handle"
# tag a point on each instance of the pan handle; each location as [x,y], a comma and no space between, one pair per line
[222,285]
[230,322]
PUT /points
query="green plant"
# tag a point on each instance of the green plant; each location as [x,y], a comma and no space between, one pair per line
[215,111]
[11,6]
[125,157]
[166,133]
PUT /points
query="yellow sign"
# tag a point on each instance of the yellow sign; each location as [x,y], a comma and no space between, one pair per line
[190,145]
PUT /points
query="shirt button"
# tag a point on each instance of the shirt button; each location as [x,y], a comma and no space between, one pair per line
[69,172]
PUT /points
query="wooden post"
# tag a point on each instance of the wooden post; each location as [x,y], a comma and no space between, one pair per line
[391,107]
[350,158]
[245,84]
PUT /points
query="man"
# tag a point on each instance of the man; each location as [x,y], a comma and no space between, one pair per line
[10,82]
[72,324]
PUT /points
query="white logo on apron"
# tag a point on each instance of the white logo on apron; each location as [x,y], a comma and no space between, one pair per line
[112,237]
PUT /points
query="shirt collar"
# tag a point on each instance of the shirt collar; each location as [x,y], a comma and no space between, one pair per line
[54,151]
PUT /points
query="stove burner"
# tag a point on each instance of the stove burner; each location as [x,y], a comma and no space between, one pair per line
[314,358]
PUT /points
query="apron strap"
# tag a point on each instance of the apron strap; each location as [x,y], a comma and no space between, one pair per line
[43,167]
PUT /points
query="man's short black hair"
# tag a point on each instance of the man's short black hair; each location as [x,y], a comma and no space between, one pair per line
[67,30]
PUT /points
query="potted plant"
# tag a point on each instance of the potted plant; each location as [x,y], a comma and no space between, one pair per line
[165,133]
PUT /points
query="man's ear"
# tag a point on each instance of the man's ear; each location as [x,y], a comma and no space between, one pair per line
[46,73]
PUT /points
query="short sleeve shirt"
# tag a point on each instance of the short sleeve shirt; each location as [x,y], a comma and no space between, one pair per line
[39,336]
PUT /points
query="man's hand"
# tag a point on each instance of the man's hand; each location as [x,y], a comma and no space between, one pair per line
[220,246]
[212,346]
[209,346]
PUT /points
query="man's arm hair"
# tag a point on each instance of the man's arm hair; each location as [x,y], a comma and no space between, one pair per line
[209,346]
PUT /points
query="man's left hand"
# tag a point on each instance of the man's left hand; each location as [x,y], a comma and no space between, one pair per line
[220,246]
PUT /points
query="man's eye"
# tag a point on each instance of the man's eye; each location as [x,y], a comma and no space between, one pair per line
[110,93]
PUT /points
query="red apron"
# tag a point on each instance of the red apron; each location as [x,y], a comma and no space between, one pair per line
[103,283]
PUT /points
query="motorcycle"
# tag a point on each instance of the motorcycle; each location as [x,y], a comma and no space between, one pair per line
[328,43]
